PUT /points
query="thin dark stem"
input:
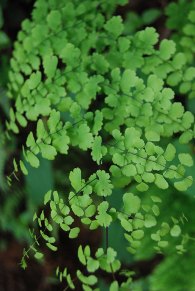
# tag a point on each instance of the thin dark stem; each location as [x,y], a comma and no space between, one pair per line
[113,275]
[107,234]
[107,245]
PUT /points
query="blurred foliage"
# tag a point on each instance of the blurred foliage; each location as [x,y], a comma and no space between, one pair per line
[174,271]
[4,39]
[134,21]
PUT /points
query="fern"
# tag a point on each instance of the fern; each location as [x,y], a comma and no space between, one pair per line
[87,85]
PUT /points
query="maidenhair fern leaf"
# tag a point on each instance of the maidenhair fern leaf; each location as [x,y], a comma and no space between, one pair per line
[50,64]
[131,203]
[103,186]
[103,218]
[75,179]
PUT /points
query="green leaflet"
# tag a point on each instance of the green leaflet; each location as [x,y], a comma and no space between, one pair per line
[131,203]
[32,159]
[50,65]
[48,152]
[54,19]
[90,280]
[77,210]
[167,48]
[30,140]
[75,179]
[41,131]
[61,142]
[170,152]
[129,170]
[23,168]
[98,122]
[103,218]
[150,221]
[53,121]
[114,26]
[74,232]
[51,247]
[70,54]
[128,80]
[186,159]
[47,197]
[92,265]
[103,186]
[81,255]
[21,119]
[34,80]
[82,137]
[38,255]
[98,151]
[161,182]
[175,231]
[184,184]
[138,234]
[114,286]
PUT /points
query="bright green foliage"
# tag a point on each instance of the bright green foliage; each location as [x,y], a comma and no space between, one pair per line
[50,64]
[131,203]
[170,152]
[103,186]
[89,87]
[98,151]
[75,179]
[167,49]
[114,26]
[103,218]
[175,231]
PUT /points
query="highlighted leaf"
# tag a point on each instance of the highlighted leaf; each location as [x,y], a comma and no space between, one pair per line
[48,151]
[150,221]
[54,19]
[175,231]
[103,186]
[23,168]
[74,232]
[75,179]
[184,184]
[30,140]
[98,150]
[161,182]
[38,256]
[103,218]
[186,159]
[131,203]
[170,152]
[167,49]
[138,234]
[114,26]
[52,247]
[81,255]
[47,197]
[34,80]
[50,65]
[128,80]
[32,159]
